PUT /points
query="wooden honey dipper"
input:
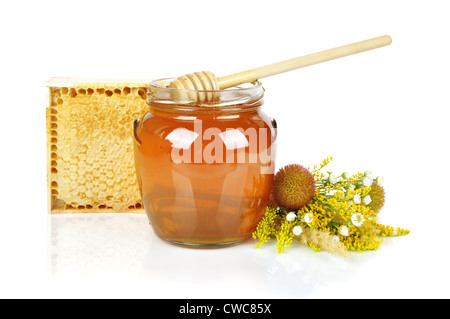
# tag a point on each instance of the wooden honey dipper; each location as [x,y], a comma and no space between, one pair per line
[206,81]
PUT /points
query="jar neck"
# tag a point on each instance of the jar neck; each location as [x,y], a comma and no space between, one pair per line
[243,99]
[179,109]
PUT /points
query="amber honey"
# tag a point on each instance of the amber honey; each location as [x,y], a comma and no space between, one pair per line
[205,171]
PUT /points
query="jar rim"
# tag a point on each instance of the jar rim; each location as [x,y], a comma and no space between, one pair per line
[158,92]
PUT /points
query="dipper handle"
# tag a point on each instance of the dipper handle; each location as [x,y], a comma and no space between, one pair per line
[300,62]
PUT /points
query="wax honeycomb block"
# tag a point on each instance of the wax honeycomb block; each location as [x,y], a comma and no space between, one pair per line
[90,145]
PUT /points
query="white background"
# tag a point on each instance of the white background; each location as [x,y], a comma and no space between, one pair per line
[385,110]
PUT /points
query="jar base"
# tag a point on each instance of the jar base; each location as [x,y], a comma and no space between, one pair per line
[187,244]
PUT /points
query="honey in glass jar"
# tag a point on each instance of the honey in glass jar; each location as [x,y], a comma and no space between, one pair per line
[205,163]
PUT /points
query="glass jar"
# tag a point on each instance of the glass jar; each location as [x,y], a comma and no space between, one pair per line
[205,163]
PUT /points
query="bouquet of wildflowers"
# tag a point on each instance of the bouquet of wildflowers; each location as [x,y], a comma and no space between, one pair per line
[335,213]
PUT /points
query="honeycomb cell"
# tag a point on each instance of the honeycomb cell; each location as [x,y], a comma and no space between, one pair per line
[126,91]
[73,93]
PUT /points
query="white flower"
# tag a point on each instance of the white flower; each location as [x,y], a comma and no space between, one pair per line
[368,174]
[335,239]
[367,200]
[367,181]
[357,199]
[343,231]
[379,180]
[352,187]
[345,175]
[308,218]
[291,217]
[357,219]
[297,230]
[333,179]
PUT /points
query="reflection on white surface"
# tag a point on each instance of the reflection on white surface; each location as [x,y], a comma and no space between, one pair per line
[123,247]
[98,246]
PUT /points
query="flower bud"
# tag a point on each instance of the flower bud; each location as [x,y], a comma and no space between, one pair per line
[367,181]
[333,179]
[297,230]
[368,174]
[367,200]
[379,180]
[357,199]
[345,175]
[343,231]
[308,218]
[290,217]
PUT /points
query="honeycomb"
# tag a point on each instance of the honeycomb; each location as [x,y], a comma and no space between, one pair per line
[90,145]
